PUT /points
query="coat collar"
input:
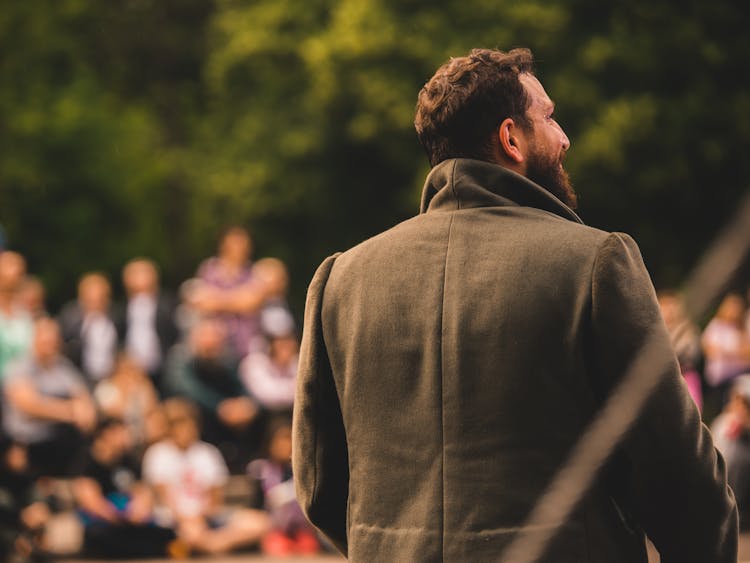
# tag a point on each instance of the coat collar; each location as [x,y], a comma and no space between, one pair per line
[462,183]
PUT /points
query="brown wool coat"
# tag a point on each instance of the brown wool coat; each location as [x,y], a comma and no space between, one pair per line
[449,365]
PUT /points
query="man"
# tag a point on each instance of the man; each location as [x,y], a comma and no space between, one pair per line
[450,365]
[46,405]
[88,330]
[147,326]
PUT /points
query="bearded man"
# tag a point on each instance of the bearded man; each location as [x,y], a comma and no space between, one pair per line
[450,365]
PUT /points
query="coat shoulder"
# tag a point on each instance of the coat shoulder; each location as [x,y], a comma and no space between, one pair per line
[489,226]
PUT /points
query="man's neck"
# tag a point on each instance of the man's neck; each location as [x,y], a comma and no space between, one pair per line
[499,158]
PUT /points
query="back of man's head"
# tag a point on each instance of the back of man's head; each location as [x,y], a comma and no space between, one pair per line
[466,101]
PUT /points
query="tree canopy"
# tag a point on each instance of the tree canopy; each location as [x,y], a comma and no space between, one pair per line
[142,127]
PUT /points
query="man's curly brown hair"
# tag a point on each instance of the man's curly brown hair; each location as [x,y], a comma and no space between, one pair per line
[467,99]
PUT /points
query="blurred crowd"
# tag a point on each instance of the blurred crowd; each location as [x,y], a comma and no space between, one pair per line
[715,363]
[146,407]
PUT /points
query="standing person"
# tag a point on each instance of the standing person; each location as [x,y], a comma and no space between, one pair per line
[15,321]
[88,328]
[450,365]
[147,326]
[230,291]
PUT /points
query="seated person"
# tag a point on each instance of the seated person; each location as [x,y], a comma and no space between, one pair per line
[271,378]
[46,404]
[128,394]
[189,476]
[115,507]
[731,431]
[290,531]
[23,514]
[204,373]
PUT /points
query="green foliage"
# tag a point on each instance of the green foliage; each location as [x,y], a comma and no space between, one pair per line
[658,124]
[143,126]
[76,163]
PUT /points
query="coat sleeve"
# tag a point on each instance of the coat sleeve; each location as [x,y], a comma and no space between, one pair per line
[677,480]
[319,452]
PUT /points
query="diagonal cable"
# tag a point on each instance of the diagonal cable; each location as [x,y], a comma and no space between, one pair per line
[588,456]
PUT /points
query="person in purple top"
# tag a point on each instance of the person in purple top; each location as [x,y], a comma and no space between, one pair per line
[289,533]
[229,291]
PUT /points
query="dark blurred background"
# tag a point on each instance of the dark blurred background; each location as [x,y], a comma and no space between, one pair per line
[143,127]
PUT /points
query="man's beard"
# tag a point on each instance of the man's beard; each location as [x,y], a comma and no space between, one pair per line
[548,172]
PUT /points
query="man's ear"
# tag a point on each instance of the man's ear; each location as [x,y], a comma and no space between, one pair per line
[511,141]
